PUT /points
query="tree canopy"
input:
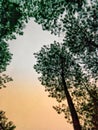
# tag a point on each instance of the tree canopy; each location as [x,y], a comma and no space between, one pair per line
[56,67]
[79,27]
[49,66]
[48,12]
[77,20]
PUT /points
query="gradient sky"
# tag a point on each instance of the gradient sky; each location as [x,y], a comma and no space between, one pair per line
[24,100]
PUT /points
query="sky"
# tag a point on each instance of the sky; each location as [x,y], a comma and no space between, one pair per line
[24,100]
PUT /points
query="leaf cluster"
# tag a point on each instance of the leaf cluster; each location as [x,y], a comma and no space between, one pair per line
[11,21]
[5,56]
[4,124]
[47,13]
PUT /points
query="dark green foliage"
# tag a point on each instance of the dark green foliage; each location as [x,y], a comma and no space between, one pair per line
[81,36]
[5,59]
[4,79]
[78,82]
[79,25]
[49,65]
[4,124]
[11,20]
[5,56]
[48,12]
[84,105]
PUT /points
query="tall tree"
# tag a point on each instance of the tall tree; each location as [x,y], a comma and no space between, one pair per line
[81,37]
[60,71]
[58,68]
[80,30]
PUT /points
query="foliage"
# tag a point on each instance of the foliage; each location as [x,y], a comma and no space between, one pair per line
[47,13]
[80,30]
[78,83]
[5,58]
[4,79]
[4,124]
[11,23]
[49,66]
[81,37]
[12,20]
[78,25]
[84,105]
[78,20]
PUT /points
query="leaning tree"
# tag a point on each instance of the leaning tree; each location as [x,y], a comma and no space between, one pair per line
[63,76]
[60,74]
[80,30]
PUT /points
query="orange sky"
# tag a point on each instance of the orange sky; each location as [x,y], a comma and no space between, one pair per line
[24,100]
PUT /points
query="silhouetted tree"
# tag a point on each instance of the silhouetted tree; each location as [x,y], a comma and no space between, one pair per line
[80,30]
[61,73]
[56,67]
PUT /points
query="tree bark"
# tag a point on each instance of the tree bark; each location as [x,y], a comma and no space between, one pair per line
[75,119]
[95,117]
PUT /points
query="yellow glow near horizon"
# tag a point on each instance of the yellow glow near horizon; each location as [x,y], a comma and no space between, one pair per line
[24,100]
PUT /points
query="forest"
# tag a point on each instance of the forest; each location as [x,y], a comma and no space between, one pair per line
[68,70]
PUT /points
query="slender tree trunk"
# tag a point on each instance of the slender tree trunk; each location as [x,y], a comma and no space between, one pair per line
[76,123]
[75,119]
[96,115]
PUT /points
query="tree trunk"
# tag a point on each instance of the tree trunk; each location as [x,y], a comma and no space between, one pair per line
[93,95]
[75,119]
[76,123]
[95,117]
[1,127]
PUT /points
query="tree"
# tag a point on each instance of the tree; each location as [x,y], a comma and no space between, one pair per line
[12,19]
[78,21]
[85,107]
[58,68]
[5,58]
[79,26]
[80,29]
[82,40]
[81,36]
[50,62]
[4,125]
